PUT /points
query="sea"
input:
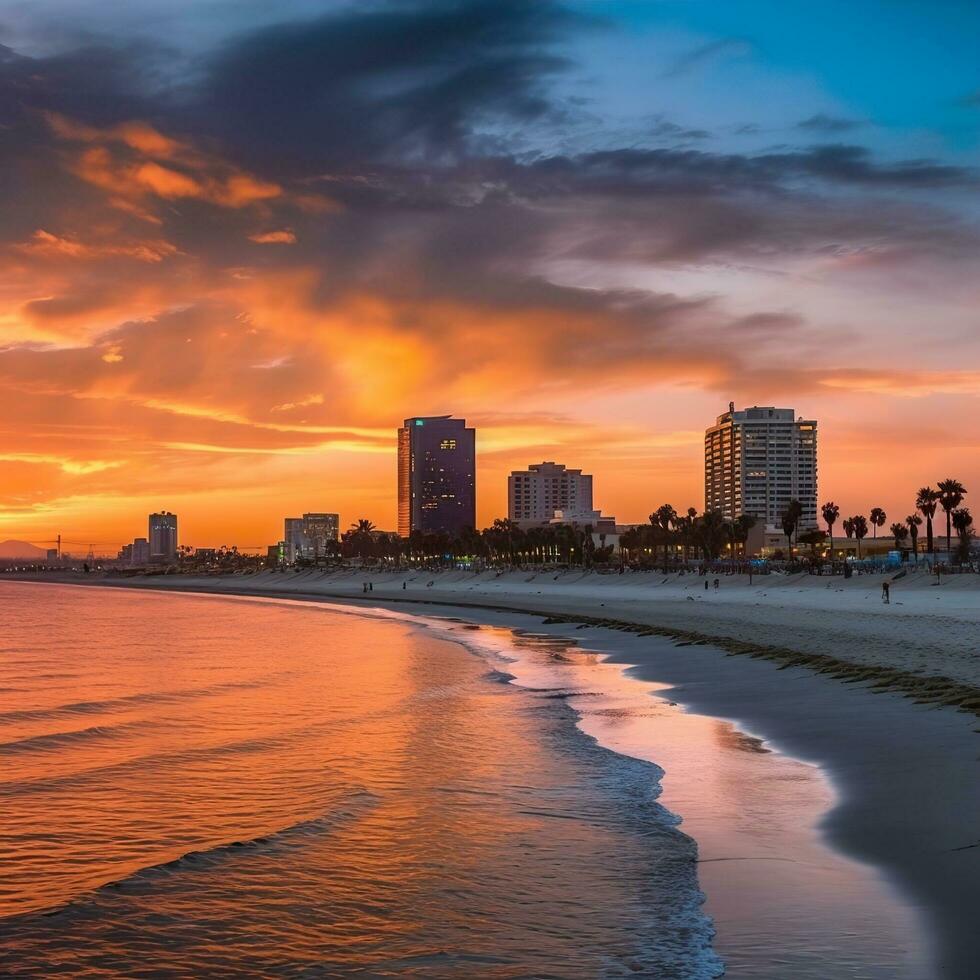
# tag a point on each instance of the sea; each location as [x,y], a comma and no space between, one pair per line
[201,786]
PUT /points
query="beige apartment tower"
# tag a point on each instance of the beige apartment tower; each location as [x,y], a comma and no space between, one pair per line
[759,459]
[536,493]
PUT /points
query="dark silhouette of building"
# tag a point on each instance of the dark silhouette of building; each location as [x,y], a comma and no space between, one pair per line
[436,475]
[163,536]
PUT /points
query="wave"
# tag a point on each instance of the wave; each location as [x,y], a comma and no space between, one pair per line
[127,702]
[60,740]
[347,807]
[143,764]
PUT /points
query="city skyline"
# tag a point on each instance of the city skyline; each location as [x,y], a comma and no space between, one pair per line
[709,446]
[630,214]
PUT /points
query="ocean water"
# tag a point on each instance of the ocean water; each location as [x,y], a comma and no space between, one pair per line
[197,786]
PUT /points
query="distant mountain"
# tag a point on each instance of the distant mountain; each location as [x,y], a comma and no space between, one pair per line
[20,549]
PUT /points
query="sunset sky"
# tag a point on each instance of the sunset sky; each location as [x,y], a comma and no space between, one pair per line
[241,241]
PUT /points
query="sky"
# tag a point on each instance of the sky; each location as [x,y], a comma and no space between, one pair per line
[241,242]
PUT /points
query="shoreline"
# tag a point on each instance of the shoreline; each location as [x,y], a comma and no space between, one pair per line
[906,807]
[926,651]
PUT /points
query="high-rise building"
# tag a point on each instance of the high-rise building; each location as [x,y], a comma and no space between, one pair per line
[163,536]
[322,532]
[310,536]
[436,475]
[759,459]
[536,493]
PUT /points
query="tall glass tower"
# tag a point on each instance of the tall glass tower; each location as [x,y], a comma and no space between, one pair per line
[436,475]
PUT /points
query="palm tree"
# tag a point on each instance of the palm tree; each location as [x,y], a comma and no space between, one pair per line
[630,541]
[743,524]
[951,494]
[790,521]
[687,530]
[877,518]
[815,537]
[963,522]
[360,538]
[860,525]
[711,533]
[925,502]
[914,521]
[830,512]
[664,517]
[899,532]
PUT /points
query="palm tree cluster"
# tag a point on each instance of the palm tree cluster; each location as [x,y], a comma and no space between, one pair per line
[704,536]
[670,534]
[948,496]
[503,542]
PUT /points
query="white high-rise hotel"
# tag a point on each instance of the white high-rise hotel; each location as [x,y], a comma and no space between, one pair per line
[759,459]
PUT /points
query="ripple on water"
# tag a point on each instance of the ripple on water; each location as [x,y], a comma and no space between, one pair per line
[350,795]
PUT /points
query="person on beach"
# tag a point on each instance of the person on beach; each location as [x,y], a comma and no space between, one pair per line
[717,583]
[884,593]
[705,585]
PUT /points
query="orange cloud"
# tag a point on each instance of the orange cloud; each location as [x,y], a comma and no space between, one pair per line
[125,160]
[281,237]
[44,243]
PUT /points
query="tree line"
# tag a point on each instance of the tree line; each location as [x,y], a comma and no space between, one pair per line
[669,536]
[947,496]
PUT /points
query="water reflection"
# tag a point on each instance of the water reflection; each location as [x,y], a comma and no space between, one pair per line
[210,787]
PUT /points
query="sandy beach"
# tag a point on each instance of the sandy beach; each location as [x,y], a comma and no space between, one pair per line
[899,755]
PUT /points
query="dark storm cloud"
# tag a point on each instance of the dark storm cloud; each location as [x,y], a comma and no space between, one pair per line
[401,82]
[671,170]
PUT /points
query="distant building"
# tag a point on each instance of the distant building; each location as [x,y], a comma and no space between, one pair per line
[294,538]
[163,536]
[436,475]
[311,536]
[322,531]
[536,493]
[137,553]
[759,459]
[51,554]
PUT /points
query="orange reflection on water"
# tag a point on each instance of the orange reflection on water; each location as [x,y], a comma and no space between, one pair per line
[282,788]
